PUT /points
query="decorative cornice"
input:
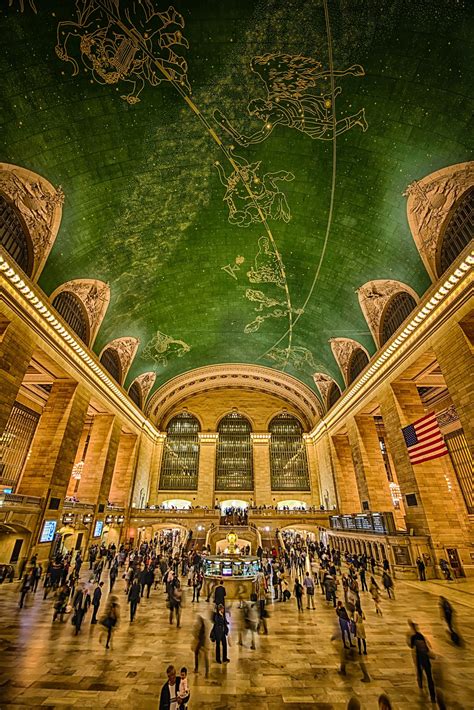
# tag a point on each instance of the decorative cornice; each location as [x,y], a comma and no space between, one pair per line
[95,296]
[39,205]
[208,437]
[126,348]
[430,201]
[374,296]
[434,307]
[342,349]
[241,376]
[27,299]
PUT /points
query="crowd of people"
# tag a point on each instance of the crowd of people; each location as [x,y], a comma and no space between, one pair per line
[299,567]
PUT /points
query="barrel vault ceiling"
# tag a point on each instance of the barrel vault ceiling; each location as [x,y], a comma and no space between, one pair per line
[235,170]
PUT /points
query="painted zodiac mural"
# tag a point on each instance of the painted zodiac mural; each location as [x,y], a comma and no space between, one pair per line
[252,197]
[300,358]
[126,45]
[162,348]
[291,83]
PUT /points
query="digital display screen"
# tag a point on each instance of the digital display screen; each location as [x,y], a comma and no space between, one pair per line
[98,527]
[47,533]
[226,571]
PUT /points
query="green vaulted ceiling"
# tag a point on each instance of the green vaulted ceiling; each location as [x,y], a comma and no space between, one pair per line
[234,169]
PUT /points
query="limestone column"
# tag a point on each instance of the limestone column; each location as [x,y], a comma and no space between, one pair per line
[207,468]
[326,472]
[437,511]
[156,469]
[346,483]
[313,472]
[143,468]
[120,489]
[262,481]
[52,454]
[98,457]
[454,353]
[55,443]
[16,349]
[372,480]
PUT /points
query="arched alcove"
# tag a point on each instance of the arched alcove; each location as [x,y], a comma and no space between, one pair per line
[180,461]
[288,461]
[234,465]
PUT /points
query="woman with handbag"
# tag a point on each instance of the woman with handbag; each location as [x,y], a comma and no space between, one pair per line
[219,633]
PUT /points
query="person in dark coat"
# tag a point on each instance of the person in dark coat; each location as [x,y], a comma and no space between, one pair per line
[170,699]
[96,597]
[219,633]
[81,604]
[147,581]
[219,595]
[134,598]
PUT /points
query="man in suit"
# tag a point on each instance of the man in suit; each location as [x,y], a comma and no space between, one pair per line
[170,698]
[219,595]
[96,597]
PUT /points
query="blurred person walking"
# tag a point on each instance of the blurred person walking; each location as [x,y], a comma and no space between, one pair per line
[422,652]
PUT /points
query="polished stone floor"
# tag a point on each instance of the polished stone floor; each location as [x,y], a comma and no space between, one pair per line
[295,666]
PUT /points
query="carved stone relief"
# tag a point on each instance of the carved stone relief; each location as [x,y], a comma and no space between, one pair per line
[95,295]
[146,382]
[342,349]
[429,203]
[323,382]
[126,349]
[373,297]
[39,205]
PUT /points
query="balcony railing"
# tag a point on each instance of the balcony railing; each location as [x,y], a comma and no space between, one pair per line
[8,500]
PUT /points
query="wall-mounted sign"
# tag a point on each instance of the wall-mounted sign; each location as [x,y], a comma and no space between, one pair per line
[47,533]
[109,519]
[86,519]
[120,519]
[98,527]
[68,518]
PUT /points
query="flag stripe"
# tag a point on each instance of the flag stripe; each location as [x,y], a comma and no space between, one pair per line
[424,454]
[430,457]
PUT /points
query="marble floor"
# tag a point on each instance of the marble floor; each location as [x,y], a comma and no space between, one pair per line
[295,666]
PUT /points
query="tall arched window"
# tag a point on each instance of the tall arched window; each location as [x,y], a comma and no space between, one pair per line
[180,462]
[288,462]
[396,311]
[333,395]
[358,361]
[135,394]
[13,237]
[458,233]
[111,361]
[234,466]
[70,308]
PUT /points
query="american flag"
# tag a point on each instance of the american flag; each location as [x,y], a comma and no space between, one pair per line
[424,439]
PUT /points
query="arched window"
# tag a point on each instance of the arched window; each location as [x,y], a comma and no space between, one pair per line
[333,395]
[70,308]
[234,466]
[111,361]
[358,361]
[458,233]
[288,462]
[396,311]
[135,394]
[180,462]
[13,237]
